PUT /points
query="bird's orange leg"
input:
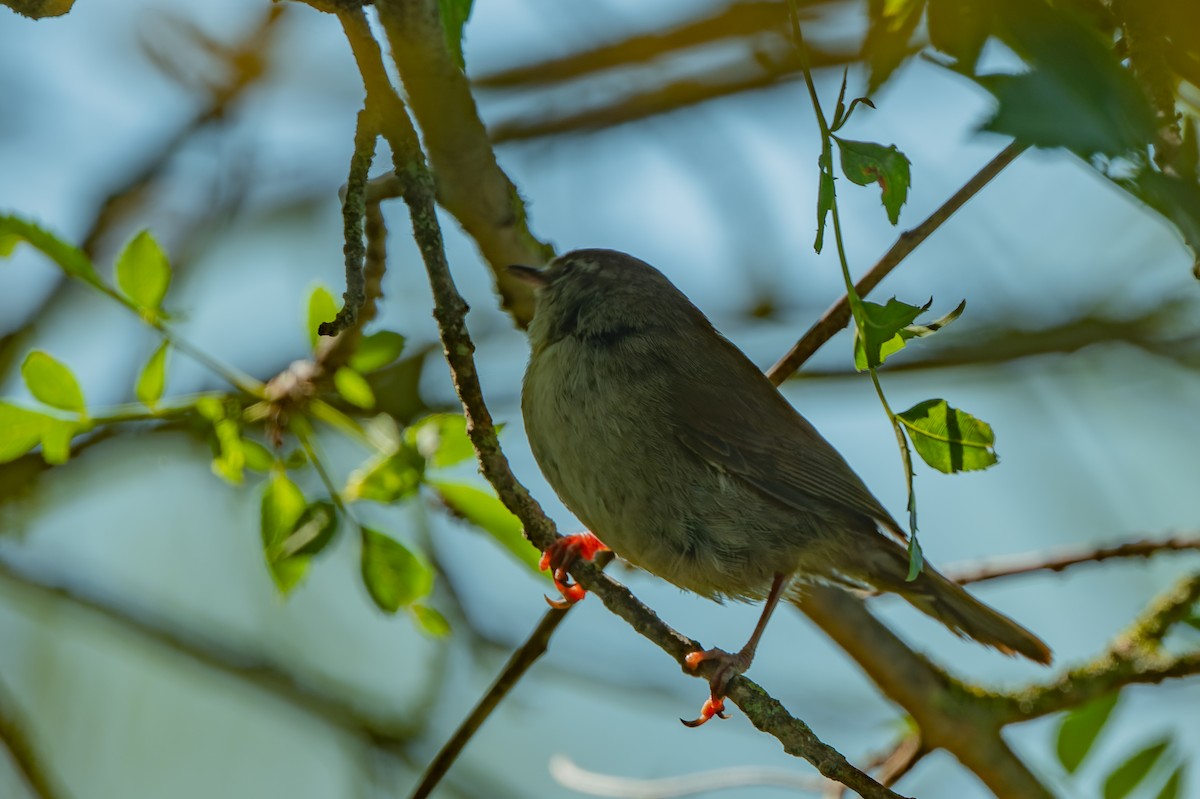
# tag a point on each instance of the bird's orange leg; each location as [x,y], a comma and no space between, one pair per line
[729,665]
[558,558]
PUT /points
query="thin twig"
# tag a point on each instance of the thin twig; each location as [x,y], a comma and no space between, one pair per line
[520,662]
[838,314]
[1028,564]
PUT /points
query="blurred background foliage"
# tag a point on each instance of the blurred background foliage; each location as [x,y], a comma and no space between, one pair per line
[182,615]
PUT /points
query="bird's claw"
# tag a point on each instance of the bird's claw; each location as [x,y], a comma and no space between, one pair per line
[729,666]
[558,558]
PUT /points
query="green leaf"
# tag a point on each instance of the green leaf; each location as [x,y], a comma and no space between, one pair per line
[282,506]
[441,438]
[387,478]
[1177,200]
[377,351]
[1124,778]
[69,258]
[825,197]
[880,333]
[959,29]
[51,382]
[313,531]
[487,512]
[354,388]
[916,560]
[948,439]
[890,27]
[394,575]
[430,621]
[231,457]
[257,457]
[321,308]
[865,163]
[1170,789]
[21,430]
[153,376]
[455,14]
[143,272]
[1080,728]
[920,331]
[56,441]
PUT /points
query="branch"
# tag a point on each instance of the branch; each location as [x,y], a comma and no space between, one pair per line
[838,315]
[1028,564]
[29,762]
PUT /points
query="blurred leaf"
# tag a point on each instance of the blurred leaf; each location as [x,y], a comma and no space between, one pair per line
[377,351]
[56,441]
[1170,789]
[354,388]
[1175,199]
[257,457]
[394,576]
[487,512]
[316,527]
[387,478]
[1080,728]
[865,163]
[880,334]
[959,29]
[1075,94]
[1124,778]
[455,14]
[916,560]
[948,439]
[282,506]
[21,430]
[143,272]
[890,27]
[153,377]
[69,258]
[51,382]
[441,438]
[231,455]
[321,308]
[430,621]
[825,197]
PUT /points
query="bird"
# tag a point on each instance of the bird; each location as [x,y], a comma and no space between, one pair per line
[680,456]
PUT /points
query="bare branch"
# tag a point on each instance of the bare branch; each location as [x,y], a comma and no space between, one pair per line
[1064,559]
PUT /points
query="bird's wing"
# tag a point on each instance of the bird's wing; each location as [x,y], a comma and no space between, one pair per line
[737,421]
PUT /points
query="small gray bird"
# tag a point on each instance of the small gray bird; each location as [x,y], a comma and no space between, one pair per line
[678,454]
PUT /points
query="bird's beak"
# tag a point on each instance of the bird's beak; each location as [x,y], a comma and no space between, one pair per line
[527,274]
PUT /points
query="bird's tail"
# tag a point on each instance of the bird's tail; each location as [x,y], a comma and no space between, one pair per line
[946,601]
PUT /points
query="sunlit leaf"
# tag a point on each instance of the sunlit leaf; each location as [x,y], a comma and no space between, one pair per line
[393,574]
[69,258]
[948,439]
[231,457]
[1080,728]
[865,163]
[487,512]
[430,621]
[153,377]
[282,506]
[51,382]
[256,456]
[321,308]
[377,351]
[1124,778]
[387,478]
[56,441]
[441,438]
[353,388]
[143,272]
[881,331]
[21,430]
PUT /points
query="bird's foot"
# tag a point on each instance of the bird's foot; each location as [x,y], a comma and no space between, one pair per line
[558,558]
[729,665]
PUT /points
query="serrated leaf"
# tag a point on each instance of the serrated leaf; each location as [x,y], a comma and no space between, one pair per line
[865,163]
[488,513]
[153,377]
[948,439]
[1170,789]
[388,478]
[354,388]
[321,308]
[1124,778]
[283,504]
[1080,728]
[377,351]
[394,575]
[143,272]
[880,333]
[441,438]
[51,382]
[430,621]
[455,14]
[69,258]
[826,193]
